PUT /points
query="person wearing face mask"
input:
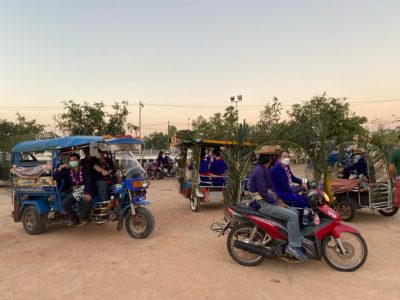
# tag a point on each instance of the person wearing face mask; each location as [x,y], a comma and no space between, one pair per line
[394,170]
[359,164]
[282,179]
[73,176]
[268,203]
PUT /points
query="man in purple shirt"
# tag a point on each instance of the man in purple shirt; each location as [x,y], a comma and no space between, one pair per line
[260,186]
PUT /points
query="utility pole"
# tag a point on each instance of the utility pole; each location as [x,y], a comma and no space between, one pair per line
[140,118]
[169,144]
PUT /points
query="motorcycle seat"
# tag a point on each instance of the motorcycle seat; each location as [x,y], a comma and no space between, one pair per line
[249,211]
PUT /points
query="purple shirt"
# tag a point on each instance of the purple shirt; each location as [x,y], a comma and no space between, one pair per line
[260,182]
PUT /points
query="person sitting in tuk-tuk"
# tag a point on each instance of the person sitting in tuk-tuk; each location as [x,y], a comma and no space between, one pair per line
[282,178]
[101,170]
[74,177]
[218,168]
[359,164]
[203,169]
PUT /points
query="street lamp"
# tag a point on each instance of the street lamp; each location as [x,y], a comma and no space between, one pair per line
[236,99]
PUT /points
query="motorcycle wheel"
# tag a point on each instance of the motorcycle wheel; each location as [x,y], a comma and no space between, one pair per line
[243,257]
[151,175]
[346,208]
[388,212]
[32,221]
[355,256]
[194,203]
[159,175]
[141,224]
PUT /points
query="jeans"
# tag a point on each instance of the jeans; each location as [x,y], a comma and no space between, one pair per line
[101,186]
[290,215]
[68,203]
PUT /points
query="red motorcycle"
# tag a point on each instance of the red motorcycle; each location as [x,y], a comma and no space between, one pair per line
[254,236]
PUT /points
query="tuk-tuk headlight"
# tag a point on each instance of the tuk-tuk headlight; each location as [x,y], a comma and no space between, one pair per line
[137,184]
[145,184]
[326,197]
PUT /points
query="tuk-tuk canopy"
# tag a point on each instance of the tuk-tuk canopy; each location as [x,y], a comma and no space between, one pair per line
[210,142]
[68,142]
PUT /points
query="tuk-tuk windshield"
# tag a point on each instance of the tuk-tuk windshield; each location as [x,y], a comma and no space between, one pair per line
[129,164]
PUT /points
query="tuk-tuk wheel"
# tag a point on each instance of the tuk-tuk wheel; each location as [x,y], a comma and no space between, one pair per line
[194,203]
[388,212]
[33,222]
[346,208]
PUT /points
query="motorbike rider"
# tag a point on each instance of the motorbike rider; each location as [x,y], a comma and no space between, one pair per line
[282,179]
[167,162]
[160,159]
[260,186]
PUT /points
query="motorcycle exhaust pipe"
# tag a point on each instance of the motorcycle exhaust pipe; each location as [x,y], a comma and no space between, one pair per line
[254,249]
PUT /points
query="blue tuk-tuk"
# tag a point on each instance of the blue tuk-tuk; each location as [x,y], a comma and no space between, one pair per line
[37,195]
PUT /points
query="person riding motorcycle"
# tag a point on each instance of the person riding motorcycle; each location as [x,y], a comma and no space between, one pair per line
[282,178]
[167,162]
[260,186]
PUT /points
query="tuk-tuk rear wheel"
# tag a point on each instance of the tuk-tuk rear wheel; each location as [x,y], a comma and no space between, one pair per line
[194,203]
[33,222]
[388,212]
[346,208]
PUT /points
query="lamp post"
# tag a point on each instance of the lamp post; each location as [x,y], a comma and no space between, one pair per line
[140,118]
[236,99]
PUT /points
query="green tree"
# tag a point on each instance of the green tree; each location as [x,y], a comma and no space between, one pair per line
[156,140]
[270,117]
[219,126]
[21,127]
[340,124]
[86,119]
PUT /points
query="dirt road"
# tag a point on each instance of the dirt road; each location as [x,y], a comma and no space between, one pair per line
[182,259]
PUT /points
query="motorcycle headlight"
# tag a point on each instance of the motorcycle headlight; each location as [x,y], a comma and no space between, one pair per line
[145,184]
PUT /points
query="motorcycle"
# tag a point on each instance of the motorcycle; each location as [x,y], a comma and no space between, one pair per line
[254,236]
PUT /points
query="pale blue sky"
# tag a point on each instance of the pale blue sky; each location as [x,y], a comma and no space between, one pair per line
[197,52]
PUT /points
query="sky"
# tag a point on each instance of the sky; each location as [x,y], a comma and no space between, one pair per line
[184,59]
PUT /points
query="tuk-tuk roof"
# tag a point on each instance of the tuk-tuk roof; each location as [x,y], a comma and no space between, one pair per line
[116,141]
[57,143]
[70,141]
[210,142]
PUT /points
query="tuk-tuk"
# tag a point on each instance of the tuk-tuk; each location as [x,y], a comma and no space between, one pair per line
[37,195]
[202,188]
[373,191]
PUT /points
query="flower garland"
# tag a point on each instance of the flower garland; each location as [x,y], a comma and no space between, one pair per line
[76,177]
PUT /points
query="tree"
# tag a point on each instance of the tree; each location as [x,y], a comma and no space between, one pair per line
[21,127]
[86,119]
[339,122]
[219,126]
[270,117]
[156,140]
[117,119]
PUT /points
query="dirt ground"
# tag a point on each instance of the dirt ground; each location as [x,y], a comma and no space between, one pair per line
[181,259]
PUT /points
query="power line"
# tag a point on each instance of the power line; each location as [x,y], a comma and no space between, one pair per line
[200,106]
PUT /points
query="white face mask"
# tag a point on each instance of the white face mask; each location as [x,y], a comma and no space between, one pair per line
[285,161]
[356,158]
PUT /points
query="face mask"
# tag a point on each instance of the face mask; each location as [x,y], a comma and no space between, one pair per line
[285,161]
[73,163]
[356,158]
